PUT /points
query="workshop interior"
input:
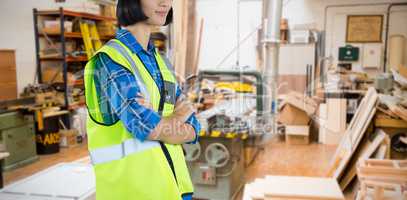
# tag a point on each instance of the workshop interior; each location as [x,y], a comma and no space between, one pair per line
[295,99]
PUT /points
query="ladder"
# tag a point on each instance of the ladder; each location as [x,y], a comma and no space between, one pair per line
[90,37]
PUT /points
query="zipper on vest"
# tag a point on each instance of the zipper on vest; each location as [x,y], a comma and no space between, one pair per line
[169,159]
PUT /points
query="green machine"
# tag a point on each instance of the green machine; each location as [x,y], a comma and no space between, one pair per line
[217,163]
[17,136]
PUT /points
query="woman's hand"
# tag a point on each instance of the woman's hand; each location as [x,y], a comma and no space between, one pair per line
[183,109]
[171,130]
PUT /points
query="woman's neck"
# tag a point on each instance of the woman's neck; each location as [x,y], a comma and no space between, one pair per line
[141,31]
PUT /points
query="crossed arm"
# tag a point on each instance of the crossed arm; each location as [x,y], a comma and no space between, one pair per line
[121,93]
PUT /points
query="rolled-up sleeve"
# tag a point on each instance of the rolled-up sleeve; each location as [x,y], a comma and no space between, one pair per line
[119,88]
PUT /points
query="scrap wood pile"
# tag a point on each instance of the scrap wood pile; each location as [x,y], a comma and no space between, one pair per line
[358,143]
[393,107]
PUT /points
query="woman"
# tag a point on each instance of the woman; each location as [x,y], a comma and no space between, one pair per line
[137,120]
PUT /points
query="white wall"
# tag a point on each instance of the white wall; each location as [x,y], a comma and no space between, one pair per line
[220,28]
[17,32]
[336,29]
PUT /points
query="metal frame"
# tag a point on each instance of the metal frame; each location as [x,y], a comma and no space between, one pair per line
[63,50]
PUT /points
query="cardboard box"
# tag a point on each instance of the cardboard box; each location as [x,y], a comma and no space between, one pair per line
[108,10]
[56,76]
[68,138]
[53,26]
[106,28]
[297,130]
[296,139]
[297,135]
[290,115]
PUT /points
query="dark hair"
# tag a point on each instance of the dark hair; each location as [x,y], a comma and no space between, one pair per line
[130,12]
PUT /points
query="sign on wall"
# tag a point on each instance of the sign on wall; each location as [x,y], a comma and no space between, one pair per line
[364,28]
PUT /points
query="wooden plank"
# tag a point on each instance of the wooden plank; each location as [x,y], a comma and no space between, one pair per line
[365,151]
[302,187]
[387,112]
[198,50]
[386,122]
[322,122]
[191,40]
[383,170]
[401,112]
[354,133]
[381,152]
[8,76]
[292,187]
[336,120]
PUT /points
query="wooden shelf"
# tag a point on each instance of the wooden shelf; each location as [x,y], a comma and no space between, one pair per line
[73,35]
[75,14]
[68,59]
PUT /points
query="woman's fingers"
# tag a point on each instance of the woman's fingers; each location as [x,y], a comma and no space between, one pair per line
[183,110]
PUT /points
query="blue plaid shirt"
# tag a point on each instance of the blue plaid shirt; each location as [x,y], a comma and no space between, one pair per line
[118,90]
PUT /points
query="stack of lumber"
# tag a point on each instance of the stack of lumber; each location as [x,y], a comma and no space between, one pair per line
[352,138]
[377,146]
[382,179]
[292,187]
[362,142]
[393,107]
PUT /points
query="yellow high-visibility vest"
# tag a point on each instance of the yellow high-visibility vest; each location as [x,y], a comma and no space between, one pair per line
[125,167]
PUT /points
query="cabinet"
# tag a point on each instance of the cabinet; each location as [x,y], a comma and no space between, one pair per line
[17,135]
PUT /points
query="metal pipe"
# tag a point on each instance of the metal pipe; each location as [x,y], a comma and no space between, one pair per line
[386,36]
[272,45]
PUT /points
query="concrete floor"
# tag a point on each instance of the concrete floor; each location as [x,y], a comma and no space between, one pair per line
[277,158]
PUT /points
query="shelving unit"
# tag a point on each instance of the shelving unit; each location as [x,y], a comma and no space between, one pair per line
[62,36]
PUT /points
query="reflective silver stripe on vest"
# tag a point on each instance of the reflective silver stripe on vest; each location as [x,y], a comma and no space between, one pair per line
[117,152]
[139,80]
